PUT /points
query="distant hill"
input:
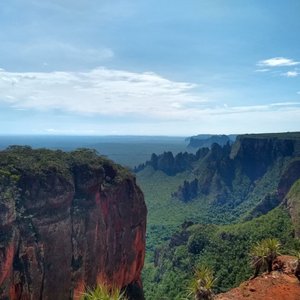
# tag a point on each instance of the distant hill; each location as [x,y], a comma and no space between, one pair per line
[206,140]
[128,151]
[170,164]
[230,173]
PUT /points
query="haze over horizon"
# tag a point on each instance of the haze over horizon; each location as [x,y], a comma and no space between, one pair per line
[137,67]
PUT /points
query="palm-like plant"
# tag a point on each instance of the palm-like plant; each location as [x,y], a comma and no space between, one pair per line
[201,286]
[273,247]
[263,254]
[258,258]
[103,292]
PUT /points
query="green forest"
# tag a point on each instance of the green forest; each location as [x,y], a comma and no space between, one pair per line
[241,199]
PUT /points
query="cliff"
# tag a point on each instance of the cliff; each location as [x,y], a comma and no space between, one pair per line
[280,284]
[257,152]
[200,141]
[169,164]
[68,220]
[230,175]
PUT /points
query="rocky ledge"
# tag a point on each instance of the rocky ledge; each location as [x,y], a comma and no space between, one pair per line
[280,284]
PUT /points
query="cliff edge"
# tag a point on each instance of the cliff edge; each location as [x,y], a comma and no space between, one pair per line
[280,284]
[67,221]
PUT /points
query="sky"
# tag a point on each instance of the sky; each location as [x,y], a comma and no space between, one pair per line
[149,67]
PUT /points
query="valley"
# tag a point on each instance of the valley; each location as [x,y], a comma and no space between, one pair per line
[149,150]
[242,195]
[206,206]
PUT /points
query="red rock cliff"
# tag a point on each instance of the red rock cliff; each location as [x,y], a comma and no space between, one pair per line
[68,221]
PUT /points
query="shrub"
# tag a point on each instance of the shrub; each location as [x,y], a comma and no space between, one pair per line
[202,284]
[103,292]
[263,254]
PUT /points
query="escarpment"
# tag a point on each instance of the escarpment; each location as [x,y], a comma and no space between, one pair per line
[68,221]
[230,174]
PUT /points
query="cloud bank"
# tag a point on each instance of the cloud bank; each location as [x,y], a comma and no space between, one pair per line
[291,74]
[268,65]
[277,62]
[146,98]
[99,91]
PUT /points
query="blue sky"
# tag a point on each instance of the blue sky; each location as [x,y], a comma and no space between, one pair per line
[149,67]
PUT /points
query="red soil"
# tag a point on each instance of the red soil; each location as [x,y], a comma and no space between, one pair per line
[280,284]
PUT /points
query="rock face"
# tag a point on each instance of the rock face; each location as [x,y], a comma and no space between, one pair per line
[256,153]
[207,140]
[169,164]
[68,221]
[229,174]
[280,284]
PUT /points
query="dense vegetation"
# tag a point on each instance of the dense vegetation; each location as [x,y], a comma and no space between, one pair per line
[16,160]
[293,202]
[225,249]
[232,196]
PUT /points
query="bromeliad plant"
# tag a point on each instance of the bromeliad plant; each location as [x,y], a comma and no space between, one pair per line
[103,292]
[263,254]
[202,284]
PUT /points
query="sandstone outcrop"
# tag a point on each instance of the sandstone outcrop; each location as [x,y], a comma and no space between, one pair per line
[67,221]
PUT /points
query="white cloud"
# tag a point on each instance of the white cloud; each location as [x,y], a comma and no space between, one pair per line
[117,93]
[291,74]
[99,91]
[262,70]
[277,62]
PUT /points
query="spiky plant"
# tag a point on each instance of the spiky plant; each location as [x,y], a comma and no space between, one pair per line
[273,246]
[103,292]
[263,254]
[258,258]
[202,284]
